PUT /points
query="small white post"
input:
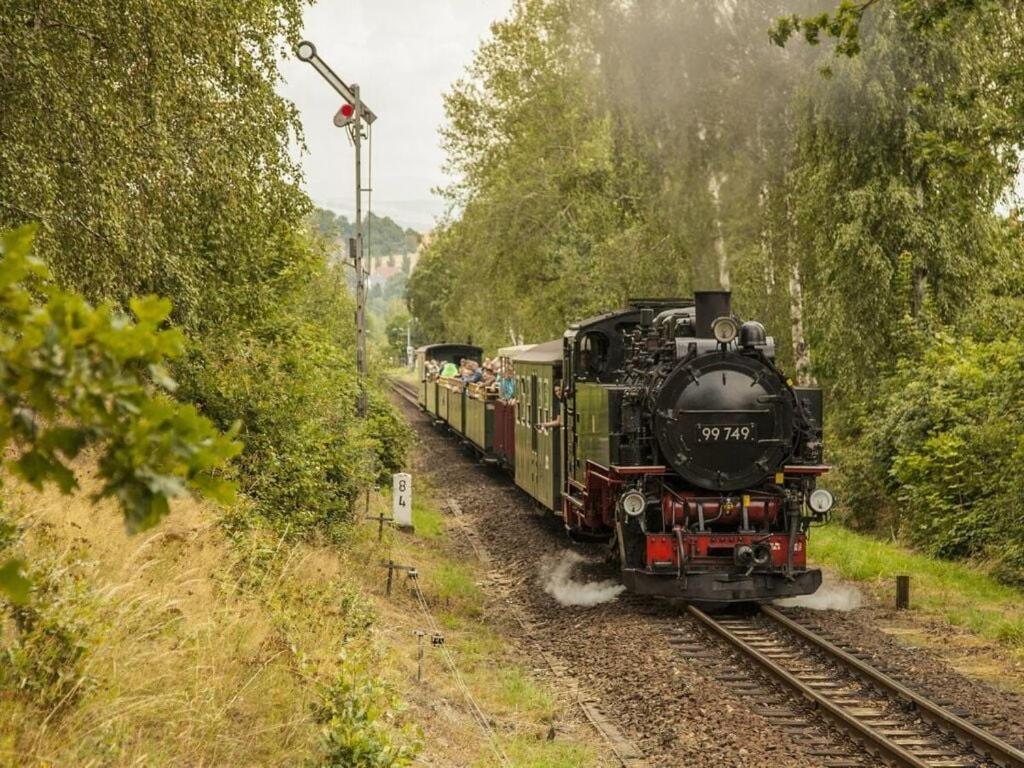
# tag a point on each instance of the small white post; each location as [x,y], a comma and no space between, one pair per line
[402,500]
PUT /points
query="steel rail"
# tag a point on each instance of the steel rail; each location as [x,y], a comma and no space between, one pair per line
[870,738]
[405,390]
[991,746]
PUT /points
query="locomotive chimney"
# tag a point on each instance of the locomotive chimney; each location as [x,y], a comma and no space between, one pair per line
[709,306]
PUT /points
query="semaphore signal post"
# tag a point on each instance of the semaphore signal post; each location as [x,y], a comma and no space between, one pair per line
[352,114]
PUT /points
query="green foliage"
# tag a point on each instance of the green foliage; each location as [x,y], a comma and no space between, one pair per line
[430,288]
[291,381]
[383,236]
[150,143]
[962,594]
[14,582]
[74,375]
[168,151]
[946,435]
[844,24]
[542,207]
[49,637]
[153,132]
[353,711]
[395,334]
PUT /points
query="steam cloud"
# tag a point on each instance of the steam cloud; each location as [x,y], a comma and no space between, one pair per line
[829,597]
[556,573]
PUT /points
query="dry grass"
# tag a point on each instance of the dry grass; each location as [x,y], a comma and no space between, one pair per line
[192,657]
[510,686]
[203,651]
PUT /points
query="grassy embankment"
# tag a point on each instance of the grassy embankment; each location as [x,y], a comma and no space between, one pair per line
[521,706]
[188,646]
[963,595]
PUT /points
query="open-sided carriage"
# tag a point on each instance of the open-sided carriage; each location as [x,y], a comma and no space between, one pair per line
[434,398]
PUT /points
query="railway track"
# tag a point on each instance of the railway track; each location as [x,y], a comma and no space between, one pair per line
[404,389]
[843,711]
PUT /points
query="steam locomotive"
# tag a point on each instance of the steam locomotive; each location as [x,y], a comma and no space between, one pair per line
[667,430]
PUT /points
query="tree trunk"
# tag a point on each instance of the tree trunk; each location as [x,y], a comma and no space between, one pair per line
[721,258]
[767,235]
[801,349]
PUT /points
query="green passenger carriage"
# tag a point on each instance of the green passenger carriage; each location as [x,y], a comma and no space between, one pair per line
[479,407]
[538,448]
[428,395]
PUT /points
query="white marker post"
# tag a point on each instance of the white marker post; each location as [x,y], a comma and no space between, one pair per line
[402,500]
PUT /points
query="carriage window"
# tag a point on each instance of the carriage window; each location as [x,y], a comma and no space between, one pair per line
[542,415]
[592,357]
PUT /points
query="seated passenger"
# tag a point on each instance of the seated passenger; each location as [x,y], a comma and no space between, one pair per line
[471,372]
[449,371]
[488,379]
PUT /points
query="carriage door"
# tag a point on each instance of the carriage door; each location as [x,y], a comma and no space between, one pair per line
[534,436]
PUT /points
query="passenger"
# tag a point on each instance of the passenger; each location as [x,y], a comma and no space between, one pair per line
[488,379]
[507,383]
[557,421]
[470,372]
[449,371]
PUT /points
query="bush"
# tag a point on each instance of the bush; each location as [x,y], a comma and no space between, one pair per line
[291,381]
[353,711]
[47,639]
[50,639]
[939,457]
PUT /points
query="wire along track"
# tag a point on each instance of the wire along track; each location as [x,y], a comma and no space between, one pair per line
[884,718]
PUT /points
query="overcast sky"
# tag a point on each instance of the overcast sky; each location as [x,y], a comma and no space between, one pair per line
[404,54]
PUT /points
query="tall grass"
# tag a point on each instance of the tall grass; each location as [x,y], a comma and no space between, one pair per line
[195,649]
[964,595]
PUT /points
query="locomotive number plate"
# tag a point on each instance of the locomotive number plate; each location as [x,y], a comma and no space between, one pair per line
[726,433]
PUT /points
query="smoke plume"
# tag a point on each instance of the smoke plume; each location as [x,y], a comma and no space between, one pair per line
[831,596]
[558,581]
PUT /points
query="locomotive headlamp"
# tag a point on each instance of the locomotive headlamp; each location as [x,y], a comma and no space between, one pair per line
[633,503]
[724,329]
[820,500]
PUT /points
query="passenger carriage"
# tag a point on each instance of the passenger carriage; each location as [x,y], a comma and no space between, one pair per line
[538,444]
[432,400]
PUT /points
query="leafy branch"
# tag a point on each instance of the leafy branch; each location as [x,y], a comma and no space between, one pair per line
[73,375]
[844,24]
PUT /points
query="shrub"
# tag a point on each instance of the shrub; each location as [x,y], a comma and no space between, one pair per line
[354,733]
[74,375]
[49,641]
[290,380]
[940,455]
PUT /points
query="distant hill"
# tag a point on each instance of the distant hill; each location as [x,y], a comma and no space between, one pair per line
[386,237]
